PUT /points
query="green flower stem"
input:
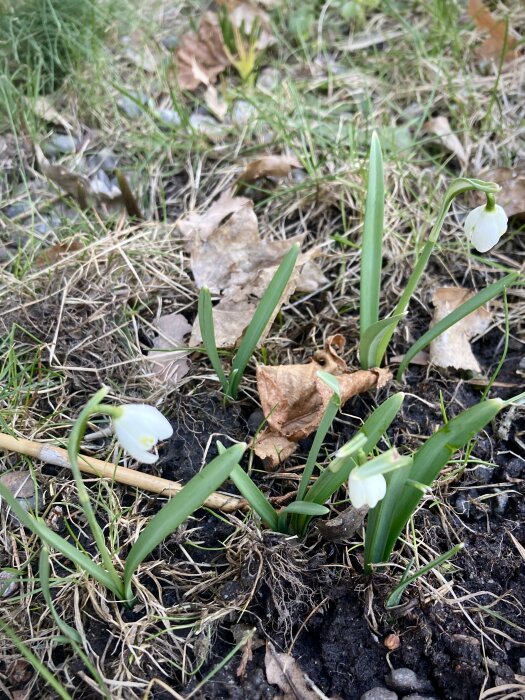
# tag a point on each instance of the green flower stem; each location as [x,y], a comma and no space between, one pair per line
[491,202]
[77,433]
[458,187]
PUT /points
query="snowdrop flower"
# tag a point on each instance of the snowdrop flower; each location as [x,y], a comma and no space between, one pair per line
[368,491]
[138,428]
[484,226]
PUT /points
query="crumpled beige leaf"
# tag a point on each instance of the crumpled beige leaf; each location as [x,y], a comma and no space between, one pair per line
[167,361]
[269,166]
[294,399]
[440,126]
[512,182]
[232,260]
[215,103]
[452,348]
[494,43]
[201,56]
[282,670]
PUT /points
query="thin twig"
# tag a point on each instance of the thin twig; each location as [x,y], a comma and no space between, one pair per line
[107,470]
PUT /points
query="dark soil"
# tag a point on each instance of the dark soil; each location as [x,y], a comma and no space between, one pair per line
[455,648]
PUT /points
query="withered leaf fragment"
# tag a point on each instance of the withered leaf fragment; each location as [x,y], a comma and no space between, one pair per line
[494,43]
[282,670]
[452,348]
[294,399]
[268,166]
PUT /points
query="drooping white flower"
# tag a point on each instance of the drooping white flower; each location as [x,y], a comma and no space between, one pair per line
[366,491]
[138,428]
[484,227]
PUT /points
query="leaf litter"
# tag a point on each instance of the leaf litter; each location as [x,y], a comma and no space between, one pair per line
[229,256]
[294,399]
[499,37]
[167,358]
[452,348]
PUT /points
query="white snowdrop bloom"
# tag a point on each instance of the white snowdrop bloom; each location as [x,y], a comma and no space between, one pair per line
[138,428]
[484,227]
[368,491]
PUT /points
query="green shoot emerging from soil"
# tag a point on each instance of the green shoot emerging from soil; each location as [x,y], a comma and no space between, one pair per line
[265,312]
[375,334]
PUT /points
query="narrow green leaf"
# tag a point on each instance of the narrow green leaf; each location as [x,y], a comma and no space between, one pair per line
[205,313]
[384,464]
[370,345]
[454,316]
[43,569]
[330,381]
[387,520]
[53,540]
[255,497]
[306,508]
[457,187]
[179,508]
[266,310]
[372,247]
[395,597]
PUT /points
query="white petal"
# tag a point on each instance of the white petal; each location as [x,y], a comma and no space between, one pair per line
[376,489]
[485,236]
[484,228]
[357,492]
[472,220]
[138,429]
[501,218]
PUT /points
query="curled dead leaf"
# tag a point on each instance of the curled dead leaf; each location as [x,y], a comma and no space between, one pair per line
[201,56]
[294,399]
[268,166]
[452,348]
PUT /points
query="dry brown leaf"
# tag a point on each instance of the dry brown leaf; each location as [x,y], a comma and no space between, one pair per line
[54,253]
[440,126]
[196,228]
[215,103]
[342,527]
[512,182]
[74,184]
[294,399]
[494,44]
[232,260]
[168,362]
[273,166]
[201,56]
[282,670]
[452,348]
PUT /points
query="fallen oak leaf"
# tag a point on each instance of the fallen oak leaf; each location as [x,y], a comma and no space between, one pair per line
[55,252]
[440,126]
[494,44]
[293,398]
[452,348]
[196,227]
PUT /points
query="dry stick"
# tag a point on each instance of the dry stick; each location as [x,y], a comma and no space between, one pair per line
[123,475]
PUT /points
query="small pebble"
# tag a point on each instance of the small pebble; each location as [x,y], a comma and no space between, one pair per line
[16,209]
[207,126]
[106,160]
[169,117]
[21,485]
[9,583]
[417,696]
[255,420]
[522,665]
[379,694]
[405,680]
[170,42]
[269,79]
[242,112]
[462,505]
[132,106]
[59,144]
